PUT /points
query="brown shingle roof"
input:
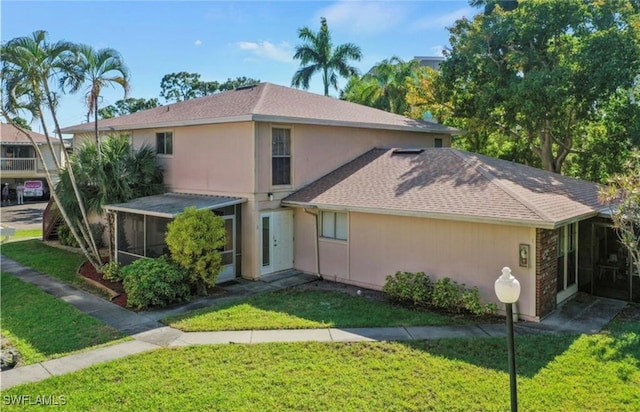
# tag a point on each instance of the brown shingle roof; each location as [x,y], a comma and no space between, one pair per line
[11,135]
[264,102]
[451,184]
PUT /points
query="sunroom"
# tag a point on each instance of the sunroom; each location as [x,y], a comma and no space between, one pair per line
[141,226]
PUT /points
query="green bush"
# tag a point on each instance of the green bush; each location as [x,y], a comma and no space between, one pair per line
[155,282]
[447,295]
[112,271]
[66,237]
[408,287]
[418,289]
[195,238]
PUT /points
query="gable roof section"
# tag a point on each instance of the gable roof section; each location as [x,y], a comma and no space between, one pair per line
[11,135]
[264,102]
[445,183]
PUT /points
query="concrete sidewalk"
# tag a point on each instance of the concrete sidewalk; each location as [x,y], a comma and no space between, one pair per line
[581,315]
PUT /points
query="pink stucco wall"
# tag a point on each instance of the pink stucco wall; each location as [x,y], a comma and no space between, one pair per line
[470,253]
[317,150]
[210,158]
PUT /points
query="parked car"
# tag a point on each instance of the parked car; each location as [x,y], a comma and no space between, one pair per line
[35,189]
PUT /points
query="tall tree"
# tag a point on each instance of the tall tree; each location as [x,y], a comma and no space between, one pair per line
[385,86]
[31,68]
[541,72]
[318,54]
[177,87]
[127,106]
[231,84]
[110,173]
[98,68]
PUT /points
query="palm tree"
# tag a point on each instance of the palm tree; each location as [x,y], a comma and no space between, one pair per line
[110,173]
[30,65]
[385,86]
[98,68]
[317,54]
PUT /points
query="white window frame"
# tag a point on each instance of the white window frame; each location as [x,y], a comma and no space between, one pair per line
[282,156]
[334,225]
[164,152]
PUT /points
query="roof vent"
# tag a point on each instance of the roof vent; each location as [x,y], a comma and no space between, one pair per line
[407,151]
[245,87]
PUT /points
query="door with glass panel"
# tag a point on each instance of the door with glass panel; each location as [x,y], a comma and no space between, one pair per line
[567,272]
[228,252]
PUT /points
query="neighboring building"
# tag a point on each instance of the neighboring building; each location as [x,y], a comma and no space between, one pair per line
[19,160]
[354,194]
[430,61]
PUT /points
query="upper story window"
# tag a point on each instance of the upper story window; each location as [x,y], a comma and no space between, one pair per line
[334,225]
[164,143]
[280,156]
[437,142]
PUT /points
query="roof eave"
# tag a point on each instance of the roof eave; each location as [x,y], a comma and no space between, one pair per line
[542,224]
[365,125]
[117,208]
[160,125]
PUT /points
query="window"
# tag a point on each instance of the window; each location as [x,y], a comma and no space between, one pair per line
[281,156]
[164,143]
[334,225]
[437,142]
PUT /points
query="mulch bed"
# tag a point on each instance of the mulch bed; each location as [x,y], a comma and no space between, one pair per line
[88,271]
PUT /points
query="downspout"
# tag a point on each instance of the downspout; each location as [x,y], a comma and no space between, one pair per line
[315,239]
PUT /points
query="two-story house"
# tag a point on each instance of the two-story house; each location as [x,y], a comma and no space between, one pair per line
[19,160]
[352,194]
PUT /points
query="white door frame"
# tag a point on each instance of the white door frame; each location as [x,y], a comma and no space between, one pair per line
[569,290]
[276,227]
[228,272]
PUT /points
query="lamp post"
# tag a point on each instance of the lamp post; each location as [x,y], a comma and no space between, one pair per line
[507,290]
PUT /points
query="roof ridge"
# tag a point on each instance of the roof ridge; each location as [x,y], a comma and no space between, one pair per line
[496,181]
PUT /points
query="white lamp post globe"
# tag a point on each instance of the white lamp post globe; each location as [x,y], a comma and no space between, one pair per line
[507,287]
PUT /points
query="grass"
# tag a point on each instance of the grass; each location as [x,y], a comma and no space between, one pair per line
[27,233]
[43,327]
[59,263]
[304,310]
[567,372]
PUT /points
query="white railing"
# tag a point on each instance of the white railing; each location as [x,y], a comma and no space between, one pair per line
[15,164]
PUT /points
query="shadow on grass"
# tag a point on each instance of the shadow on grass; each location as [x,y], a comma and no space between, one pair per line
[532,352]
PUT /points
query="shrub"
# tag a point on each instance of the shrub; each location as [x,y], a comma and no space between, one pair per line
[447,294]
[66,237]
[195,238]
[408,287]
[154,282]
[112,271]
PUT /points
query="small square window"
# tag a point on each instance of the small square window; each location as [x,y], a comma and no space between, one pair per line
[334,225]
[164,143]
[437,142]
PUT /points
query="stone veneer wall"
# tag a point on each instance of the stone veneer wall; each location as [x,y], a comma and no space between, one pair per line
[546,271]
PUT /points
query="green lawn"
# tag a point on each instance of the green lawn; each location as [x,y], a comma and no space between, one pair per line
[59,263]
[555,373]
[27,233]
[303,310]
[41,326]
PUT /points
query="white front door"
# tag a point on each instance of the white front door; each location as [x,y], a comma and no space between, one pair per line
[276,241]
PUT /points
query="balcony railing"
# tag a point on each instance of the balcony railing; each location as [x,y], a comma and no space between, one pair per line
[18,164]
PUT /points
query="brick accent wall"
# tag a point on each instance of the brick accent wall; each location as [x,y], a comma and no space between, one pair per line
[546,271]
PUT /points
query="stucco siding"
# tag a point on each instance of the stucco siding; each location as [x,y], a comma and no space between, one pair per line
[334,258]
[304,235]
[470,253]
[210,158]
[318,150]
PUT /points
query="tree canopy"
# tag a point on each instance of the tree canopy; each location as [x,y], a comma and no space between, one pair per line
[544,74]
[178,87]
[385,86]
[318,55]
[127,106]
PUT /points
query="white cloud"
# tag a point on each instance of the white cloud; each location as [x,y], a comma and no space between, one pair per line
[363,18]
[444,20]
[281,52]
[198,42]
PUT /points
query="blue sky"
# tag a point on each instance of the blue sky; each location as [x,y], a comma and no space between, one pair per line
[222,39]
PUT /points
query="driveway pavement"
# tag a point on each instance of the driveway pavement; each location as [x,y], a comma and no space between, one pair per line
[27,216]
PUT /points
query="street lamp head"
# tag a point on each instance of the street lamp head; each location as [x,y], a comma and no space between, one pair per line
[507,287]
